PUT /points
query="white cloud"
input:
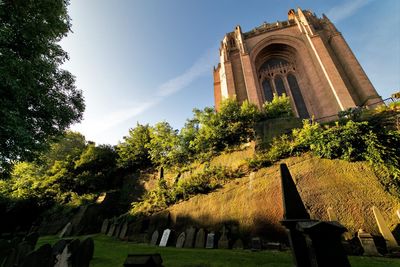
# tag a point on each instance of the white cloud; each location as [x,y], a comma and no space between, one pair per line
[345,10]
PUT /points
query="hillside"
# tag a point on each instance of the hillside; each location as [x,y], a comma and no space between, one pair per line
[252,205]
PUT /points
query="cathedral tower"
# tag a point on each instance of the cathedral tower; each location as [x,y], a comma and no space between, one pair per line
[305,57]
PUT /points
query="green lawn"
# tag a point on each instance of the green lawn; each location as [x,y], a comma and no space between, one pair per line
[111,252]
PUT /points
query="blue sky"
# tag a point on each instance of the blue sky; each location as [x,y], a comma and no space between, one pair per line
[151,60]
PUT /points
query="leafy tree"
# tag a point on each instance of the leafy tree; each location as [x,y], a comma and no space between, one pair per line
[134,151]
[95,168]
[164,144]
[38,99]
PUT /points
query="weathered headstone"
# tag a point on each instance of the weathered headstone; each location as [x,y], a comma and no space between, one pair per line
[181,240]
[384,229]
[190,236]
[210,240]
[32,239]
[84,254]
[124,230]
[154,238]
[332,215]
[62,259]
[238,244]
[165,238]
[256,244]
[104,226]
[313,243]
[223,242]
[117,230]
[65,230]
[200,239]
[40,258]
[111,230]
[59,246]
[23,249]
[367,243]
[11,258]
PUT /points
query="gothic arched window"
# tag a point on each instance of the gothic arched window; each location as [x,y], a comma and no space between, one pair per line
[268,92]
[297,97]
[279,86]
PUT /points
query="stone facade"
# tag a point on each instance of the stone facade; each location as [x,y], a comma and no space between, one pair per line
[305,57]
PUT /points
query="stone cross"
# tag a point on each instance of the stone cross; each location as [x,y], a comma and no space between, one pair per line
[384,229]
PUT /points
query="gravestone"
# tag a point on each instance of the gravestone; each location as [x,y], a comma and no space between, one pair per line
[117,230]
[39,258]
[210,240]
[124,230]
[181,240]
[223,242]
[200,239]
[256,244]
[104,226]
[367,243]
[32,239]
[332,215]
[238,244]
[84,254]
[384,229]
[111,230]
[190,235]
[66,230]
[23,249]
[59,246]
[62,259]
[154,238]
[313,243]
[165,238]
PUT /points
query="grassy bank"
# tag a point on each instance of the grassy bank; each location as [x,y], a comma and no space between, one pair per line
[110,252]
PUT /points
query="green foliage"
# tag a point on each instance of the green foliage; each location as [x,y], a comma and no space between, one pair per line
[38,99]
[203,182]
[164,144]
[134,152]
[351,141]
[279,107]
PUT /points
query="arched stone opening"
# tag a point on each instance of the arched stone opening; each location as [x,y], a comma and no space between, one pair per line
[277,73]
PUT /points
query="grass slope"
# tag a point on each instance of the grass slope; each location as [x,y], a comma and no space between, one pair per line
[254,202]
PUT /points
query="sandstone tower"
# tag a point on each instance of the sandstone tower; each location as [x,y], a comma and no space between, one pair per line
[305,57]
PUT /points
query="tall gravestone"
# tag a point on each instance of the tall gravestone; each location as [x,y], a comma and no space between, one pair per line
[313,243]
[200,239]
[384,229]
[210,240]
[190,237]
[104,226]
[165,238]
[223,242]
[124,230]
[181,240]
[154,238]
